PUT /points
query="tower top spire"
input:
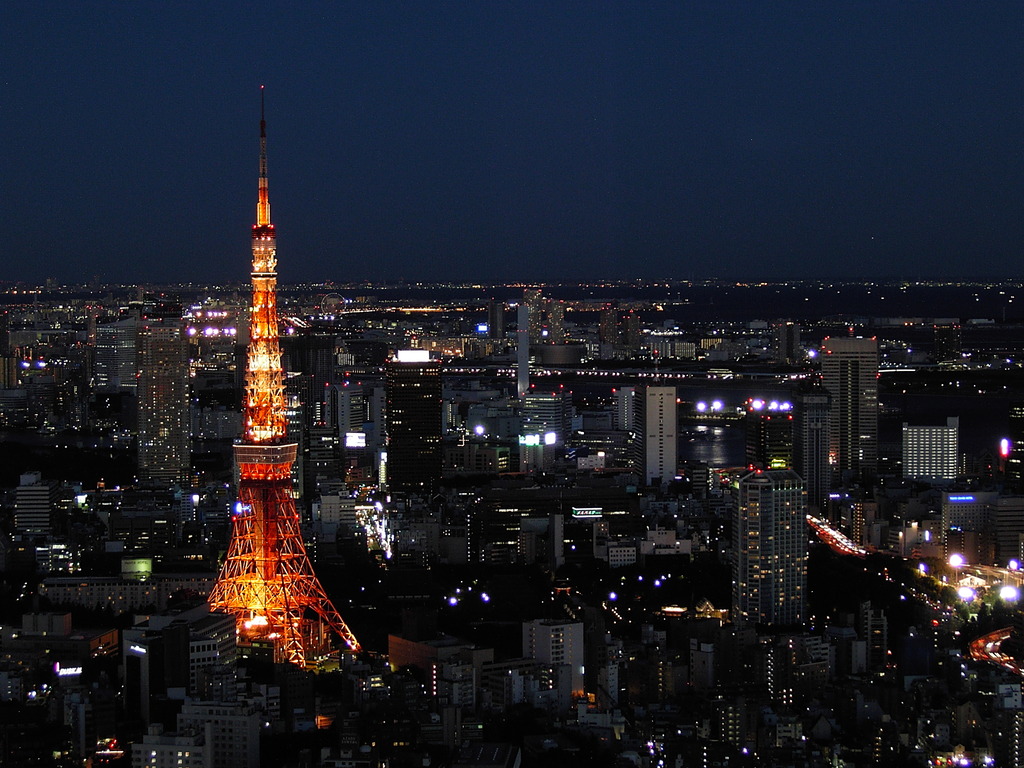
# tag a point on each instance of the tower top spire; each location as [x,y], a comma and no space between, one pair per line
[263,204]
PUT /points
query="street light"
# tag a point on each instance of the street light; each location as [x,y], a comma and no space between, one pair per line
[957,561]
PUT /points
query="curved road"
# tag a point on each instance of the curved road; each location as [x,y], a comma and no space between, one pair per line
[987,648]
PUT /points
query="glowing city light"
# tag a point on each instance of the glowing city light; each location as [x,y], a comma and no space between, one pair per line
[957,561]
[1009,593]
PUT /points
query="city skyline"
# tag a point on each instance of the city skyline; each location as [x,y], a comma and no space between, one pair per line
[534,143]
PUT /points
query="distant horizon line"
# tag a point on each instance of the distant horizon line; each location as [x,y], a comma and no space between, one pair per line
[47,285]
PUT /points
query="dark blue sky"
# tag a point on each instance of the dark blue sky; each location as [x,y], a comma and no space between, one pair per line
[543,140]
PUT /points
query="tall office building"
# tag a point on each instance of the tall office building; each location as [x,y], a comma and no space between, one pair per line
[656,424]
[769,584]
[546,422]
[1015,457]
[624,416]
[811,410]
[311,352]
[546,413]
[619,331]
[496,319]
[556,322]
[849,368]
[786,347]
[608,326]
[117,355]
[948,346]
[558,643]
[346,408]
[631,332]
[534,301]
[34,500]
[164,444]
[769,434]
[413,419]
[931,453]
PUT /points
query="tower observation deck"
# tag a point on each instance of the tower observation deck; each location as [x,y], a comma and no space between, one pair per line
[267,580]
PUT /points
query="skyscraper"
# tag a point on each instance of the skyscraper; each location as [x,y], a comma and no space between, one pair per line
[496,319]
[267,580]
[1015,457]
[931,453]
[534,301]
[34,501]
[786,343]
[769,582]
[769,434]
[849,368]
[413,421]
[164,444]
[811,411]
[556,322]
[948,346]
[656,422]
[547,413]
[116,355]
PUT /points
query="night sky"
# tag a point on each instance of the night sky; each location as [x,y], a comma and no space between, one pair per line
[520,140]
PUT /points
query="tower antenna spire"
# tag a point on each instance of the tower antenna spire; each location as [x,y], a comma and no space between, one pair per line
[263,205]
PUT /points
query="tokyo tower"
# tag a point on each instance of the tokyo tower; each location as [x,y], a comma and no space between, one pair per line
[267,581]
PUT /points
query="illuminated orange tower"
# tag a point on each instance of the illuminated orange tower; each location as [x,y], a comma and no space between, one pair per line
[267,580]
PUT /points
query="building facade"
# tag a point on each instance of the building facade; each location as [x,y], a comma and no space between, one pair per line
[849,368]
[931,453]
[164,443]
[770,549]
[413,418]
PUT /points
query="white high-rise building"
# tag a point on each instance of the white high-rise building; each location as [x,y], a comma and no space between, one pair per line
[769,583]
[232,732]
[557,643]
[171,750]
[931,453]
[658,422]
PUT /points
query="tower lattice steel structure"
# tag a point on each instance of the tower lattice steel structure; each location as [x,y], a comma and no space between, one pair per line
[267,581]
